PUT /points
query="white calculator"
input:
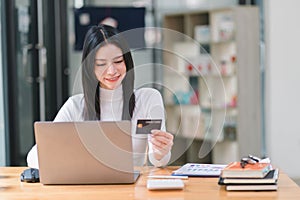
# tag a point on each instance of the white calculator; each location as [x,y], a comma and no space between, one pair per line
[165,184]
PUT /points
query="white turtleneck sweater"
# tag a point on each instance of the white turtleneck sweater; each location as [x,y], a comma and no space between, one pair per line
[149,105]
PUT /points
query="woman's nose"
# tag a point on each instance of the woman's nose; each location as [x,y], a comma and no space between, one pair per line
[111,69]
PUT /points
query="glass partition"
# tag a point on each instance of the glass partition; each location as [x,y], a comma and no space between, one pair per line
[2,127]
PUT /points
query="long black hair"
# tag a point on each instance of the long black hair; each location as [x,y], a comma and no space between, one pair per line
[96,37]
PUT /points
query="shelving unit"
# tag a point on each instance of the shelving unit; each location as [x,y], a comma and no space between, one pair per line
[212,80]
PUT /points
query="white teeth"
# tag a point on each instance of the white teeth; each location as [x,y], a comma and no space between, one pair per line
[113,79]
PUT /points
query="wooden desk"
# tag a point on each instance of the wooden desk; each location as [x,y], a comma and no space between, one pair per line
[195,188]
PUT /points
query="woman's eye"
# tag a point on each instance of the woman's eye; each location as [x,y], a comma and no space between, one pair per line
[101,64]
[119,61]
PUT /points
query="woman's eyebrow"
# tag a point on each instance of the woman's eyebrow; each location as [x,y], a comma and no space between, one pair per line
[121,56]
[102,59]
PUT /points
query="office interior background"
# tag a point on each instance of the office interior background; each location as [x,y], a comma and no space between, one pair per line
[39,64]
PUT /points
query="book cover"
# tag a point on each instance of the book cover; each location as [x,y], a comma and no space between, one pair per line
[257,170]
[251,187]
[270,178]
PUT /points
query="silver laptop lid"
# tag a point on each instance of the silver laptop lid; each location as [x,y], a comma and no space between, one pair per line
[89,152]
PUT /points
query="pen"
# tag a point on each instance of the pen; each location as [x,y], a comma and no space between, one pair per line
[249,160]
[256,159]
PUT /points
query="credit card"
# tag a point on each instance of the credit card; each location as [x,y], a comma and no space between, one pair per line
[144,126]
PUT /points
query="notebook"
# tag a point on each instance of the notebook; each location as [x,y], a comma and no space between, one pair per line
[251,187]
[270,178]
[89,152]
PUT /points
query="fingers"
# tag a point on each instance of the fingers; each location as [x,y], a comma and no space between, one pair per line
[162,134]
[163,149]
[162,145]
[162,137]
[161,141]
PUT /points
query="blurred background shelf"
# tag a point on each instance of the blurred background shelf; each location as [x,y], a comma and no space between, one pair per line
[213,81]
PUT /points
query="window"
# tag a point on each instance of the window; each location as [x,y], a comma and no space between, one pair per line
[2,124]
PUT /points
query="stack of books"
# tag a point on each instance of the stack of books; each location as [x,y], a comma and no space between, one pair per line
[257,176]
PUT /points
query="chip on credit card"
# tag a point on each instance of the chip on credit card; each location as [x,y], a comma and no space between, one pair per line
[144,126]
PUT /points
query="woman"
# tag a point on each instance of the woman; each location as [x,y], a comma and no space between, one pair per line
[108,95]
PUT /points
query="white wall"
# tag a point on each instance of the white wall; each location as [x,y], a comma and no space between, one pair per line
[2,133]
[282,84]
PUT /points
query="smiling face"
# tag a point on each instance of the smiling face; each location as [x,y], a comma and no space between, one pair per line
[110,67]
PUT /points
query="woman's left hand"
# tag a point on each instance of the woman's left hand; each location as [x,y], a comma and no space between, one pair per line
[162,143]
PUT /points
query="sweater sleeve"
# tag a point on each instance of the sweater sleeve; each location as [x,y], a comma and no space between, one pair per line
[32,158]
[155,110]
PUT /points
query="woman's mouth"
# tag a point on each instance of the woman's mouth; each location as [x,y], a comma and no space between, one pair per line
[113,79]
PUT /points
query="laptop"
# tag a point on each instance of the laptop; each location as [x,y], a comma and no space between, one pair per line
[88,152]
